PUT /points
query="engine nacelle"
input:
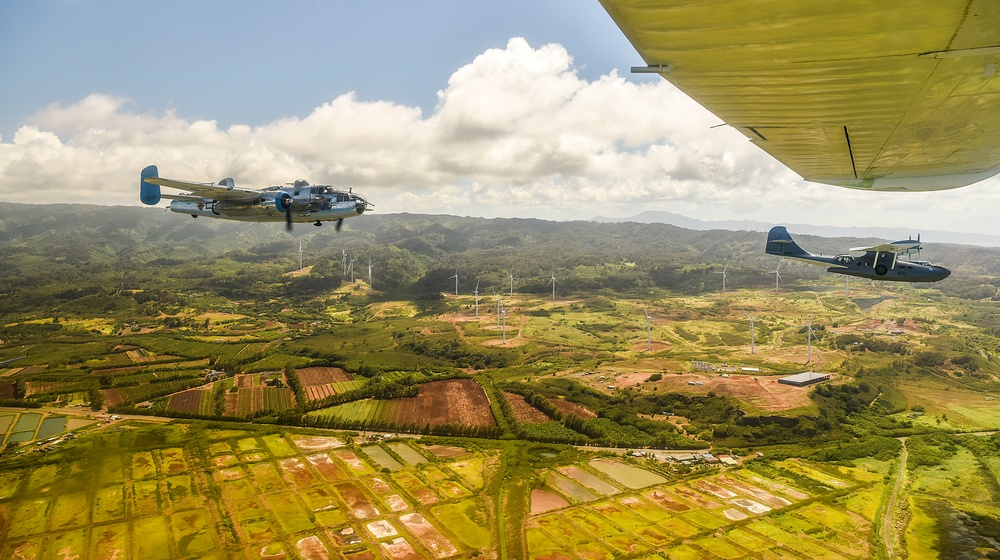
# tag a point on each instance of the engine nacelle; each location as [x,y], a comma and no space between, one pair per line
[281,201]
[360,204]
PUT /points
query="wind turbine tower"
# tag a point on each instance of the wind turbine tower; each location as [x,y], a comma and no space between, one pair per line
[512,282]
[476,291]
[503,312]
[455,276]
[809,347]
[496,303]
[649,331]
[343,261]
[350,268]
[553,281]
[724,277]
[751,330]
[370,288]
[777,276]
[300,254]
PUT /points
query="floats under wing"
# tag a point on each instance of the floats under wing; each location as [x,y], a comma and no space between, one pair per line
[210,191]
[868,95]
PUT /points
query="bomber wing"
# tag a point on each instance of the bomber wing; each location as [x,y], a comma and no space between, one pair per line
[869,95]
[209,191]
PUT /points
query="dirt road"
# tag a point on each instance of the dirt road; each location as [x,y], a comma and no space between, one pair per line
[888,514]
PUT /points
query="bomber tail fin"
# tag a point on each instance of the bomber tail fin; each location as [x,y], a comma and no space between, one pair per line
[780,243]
[148,192]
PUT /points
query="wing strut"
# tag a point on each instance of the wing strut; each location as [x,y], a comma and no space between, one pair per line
[850,151]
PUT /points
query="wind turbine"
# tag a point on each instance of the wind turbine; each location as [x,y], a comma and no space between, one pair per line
[370,272]
[350,268]
[343,261]
[503,312]
[496,301]
[300,254]
[777,276]
[724,276]
[512,282]
[455,276]
[553,281]
[649,331]
[809,347]
[476,291]
[751,329]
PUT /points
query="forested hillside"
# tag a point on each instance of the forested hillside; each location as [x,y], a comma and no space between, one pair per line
[47,249]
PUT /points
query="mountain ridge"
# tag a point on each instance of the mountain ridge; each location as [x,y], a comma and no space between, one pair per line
[888,233]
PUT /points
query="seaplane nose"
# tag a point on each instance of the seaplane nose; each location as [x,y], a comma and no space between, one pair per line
[942,272]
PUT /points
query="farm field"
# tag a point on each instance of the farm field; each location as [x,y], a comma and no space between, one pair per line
[736,514]
[321,382]
[282,491]
[455,401]
[571,435]
[314,496]
[17,426]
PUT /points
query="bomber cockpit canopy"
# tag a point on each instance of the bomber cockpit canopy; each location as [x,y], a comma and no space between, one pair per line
[845,259]
[333,193]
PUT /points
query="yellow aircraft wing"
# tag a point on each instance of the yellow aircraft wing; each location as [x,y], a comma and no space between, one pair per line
[868,94]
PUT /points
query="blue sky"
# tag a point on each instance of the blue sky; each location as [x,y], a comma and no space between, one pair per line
[516,108]
[251,62]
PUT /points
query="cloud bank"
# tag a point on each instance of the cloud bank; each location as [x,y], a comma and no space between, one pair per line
[516,132]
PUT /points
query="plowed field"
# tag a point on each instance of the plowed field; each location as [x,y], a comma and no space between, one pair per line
[523,411]
[454,401]
[322,375]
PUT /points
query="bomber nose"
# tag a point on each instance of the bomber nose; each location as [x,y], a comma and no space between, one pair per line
[943,272]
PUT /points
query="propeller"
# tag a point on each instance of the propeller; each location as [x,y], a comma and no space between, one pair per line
[340,224]
[283,202]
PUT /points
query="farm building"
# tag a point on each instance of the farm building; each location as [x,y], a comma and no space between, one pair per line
[803,379]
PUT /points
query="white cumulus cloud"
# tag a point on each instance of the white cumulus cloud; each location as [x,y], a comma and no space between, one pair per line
[516,132]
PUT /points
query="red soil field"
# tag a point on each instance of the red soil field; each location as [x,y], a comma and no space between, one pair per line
[243,380]
[34,387]
[316,381]
[453,401]
[316,392]
[523,411]
[569,407]
[185,401]
[322,375]
[232,404]
[112,397]
[7,390]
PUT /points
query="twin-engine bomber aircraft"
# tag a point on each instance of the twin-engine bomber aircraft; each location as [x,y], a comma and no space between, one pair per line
[296,202]
[880,262]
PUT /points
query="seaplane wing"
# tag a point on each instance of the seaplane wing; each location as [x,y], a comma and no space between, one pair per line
[209,191]
[896,247]
[875,95]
